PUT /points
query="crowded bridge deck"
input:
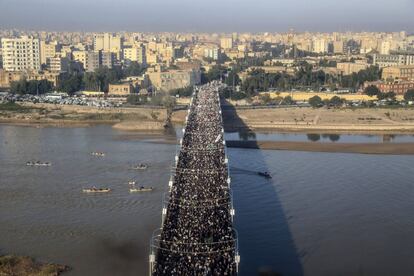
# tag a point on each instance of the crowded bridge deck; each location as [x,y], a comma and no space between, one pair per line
[197,235]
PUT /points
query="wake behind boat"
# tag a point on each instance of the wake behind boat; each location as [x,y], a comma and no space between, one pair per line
[38,164]
[96,190]
[141,189]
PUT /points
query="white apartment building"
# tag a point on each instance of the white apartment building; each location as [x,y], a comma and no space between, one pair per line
[135,54]
[89,59]
[21,54]
[107,42]
[226,43]
[48,50]
[58,64]
[320,45]
[213,53]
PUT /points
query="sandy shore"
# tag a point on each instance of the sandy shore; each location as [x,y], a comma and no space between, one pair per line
[50,115]
[363,148]
[307,120]
[332,120]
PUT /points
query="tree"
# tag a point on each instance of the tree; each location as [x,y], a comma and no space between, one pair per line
[137,99]
[409,95]
[215,73]
[134,69]
[336,101]
[390,96]
[288,100]
[71,85]
[315,101]
[18,87]
[232,78]
[31,87]
[372,90]
[265,98]
[182,92]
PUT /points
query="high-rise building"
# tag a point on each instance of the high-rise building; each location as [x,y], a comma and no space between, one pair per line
[20,54]
[385,47]
[48,50]
[135,54]
[339,47]
[89,59]
[226,43]
[320,45]
[106,59]
[212,52]
[107,42]
[58,64]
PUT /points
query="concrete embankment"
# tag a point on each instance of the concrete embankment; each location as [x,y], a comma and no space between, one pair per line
[363,148]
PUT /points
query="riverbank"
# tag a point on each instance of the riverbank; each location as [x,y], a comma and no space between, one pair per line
[23,266]
[50,115]
[294,119]
[363,148]
[304,119]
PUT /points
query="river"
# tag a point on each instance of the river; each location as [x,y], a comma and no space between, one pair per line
[320,214]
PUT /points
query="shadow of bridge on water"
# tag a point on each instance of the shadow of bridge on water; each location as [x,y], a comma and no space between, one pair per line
[266,244]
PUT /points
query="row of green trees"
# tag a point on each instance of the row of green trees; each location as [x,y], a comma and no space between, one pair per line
[259,81]
[335,101]
[32,87]
[75,81]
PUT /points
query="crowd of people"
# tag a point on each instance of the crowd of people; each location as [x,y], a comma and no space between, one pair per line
[197,236]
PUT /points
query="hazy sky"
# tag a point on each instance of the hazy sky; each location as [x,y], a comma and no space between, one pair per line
[208,15]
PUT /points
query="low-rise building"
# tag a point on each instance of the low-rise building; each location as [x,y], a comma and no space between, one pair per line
[173,79]
[53,77]
[122,89]
[398,72]
[394,59]
[398,87]
[349,68]
[7,77]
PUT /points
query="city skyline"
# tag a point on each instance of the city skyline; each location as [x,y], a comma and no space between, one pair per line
[225,16]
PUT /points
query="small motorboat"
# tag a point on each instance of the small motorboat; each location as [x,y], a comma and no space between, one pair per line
[38,164]
[264,174]
[98,153]
[141,189]
[140,166]
[96,190]
[132,182]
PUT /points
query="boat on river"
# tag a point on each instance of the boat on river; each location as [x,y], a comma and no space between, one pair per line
[96,190]
[98,153]
[264,174]
[38,164]
[141,189]
[140,166]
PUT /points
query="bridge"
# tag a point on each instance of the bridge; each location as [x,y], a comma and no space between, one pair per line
[197,235]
